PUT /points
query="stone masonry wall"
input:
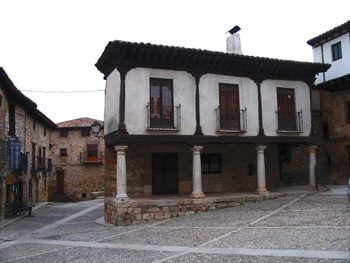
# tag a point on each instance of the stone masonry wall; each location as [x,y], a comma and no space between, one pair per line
[234,177]
[334,108]
[80,178]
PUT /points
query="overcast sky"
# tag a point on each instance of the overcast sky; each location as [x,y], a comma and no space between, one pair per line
[53,45]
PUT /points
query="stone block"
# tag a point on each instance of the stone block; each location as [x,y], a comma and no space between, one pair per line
[148,216]
[158,216]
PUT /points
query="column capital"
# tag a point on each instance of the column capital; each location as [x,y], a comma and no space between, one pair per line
[120,149]
[313,148]
[260,148]
[197,149]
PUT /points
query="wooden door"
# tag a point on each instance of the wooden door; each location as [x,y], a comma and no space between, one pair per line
[229,107]
[286,109]
[60,182]
[165,173]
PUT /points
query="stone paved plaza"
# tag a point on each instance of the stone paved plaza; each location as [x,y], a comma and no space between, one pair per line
[299,227]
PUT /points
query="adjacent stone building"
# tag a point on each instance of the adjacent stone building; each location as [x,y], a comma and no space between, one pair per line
[24,150]
[78,160]
[332,100]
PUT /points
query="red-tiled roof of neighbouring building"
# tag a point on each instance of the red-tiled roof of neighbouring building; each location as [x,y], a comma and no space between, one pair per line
[78,123]
[329,35]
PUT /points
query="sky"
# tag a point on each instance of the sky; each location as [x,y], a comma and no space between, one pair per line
[51,47]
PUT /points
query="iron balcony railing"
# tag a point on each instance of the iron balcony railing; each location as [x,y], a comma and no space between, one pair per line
[163,118]
[91,157]
[228,120]
[289,121]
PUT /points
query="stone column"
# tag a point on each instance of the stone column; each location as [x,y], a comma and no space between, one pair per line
[312,164]
[261,171]
[197,173]
[121,173]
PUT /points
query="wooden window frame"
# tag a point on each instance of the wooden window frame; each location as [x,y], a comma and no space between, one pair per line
[92,152]
[12,119]
[63,152]
[161,122]
[63,133]
[336,51]
[228,115]
[85,132]
[208,158]
[286,118]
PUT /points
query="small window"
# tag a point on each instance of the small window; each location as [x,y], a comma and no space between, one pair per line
[347,112]
[83,195]
[12,119]
[85,132]
[63,133]
[336,51]
[92,152]
[211,163]
[34,124]
[44,131]
[63,152]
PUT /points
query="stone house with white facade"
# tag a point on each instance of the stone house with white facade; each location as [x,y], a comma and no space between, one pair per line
[78,161]
[332,99]
[25,165]
[189,121]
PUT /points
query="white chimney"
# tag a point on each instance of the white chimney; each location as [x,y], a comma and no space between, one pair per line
[233,44]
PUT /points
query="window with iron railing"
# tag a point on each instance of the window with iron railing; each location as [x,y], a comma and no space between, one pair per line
[231,120]
[229,116]
[174,119]
[290,121]
[161,112]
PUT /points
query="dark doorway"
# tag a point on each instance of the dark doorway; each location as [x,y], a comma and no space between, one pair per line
[165,173]
[60,182]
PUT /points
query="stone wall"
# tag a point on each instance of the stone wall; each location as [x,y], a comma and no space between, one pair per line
[81,179]
[137,211]
[28,134]
[334,109]
[234,177]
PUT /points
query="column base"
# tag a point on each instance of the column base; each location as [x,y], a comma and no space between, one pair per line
[197,195]
[311,188]
[262,191]
[122,198]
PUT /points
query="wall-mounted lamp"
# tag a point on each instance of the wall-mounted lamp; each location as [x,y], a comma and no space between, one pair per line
[96,127]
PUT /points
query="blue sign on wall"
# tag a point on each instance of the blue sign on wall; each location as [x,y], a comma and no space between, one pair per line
[14,146]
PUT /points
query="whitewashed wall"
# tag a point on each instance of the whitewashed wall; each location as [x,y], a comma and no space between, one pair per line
[339,67]
[111,114]
[269,104]
[137,94]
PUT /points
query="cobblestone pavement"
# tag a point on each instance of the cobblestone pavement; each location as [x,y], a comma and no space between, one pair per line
[300,227]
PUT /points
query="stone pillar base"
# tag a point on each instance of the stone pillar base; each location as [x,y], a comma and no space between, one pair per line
[311,188]
[262,191]
[197,195]
[122,198]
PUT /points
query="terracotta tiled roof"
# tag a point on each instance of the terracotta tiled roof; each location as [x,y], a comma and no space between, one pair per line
[329,35]
[81,122]
[128,55]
